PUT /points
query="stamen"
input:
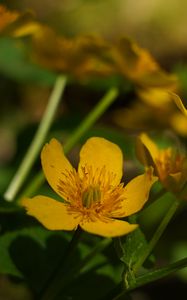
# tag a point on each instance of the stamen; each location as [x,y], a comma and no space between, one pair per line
[92,193]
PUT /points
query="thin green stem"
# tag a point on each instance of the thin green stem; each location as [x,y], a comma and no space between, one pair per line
[160,273]
[158,233]
[92,117]
[37,141]
[79,132]
[151,277]
[145,278]
[54,284]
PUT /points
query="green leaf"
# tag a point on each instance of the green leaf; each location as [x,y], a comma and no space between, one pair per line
[15,64]
[181,72]
[93,284]
[129,249]
[31,253]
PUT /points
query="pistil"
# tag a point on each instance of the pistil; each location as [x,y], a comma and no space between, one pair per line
[90,196]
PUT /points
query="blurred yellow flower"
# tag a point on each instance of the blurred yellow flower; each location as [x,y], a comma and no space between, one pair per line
[153,109]
[85,56]
[82,55]
[7,17]
[93,196]
[138,65]
[170,165]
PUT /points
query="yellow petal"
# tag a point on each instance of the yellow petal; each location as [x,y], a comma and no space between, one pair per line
[98,153]
[150,145]
[108,227]
[52,214]
[179,103]
[136,193]
[156,97]
[54,164]
[179,122]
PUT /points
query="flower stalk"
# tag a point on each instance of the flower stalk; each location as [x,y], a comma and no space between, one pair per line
[158,233]
[160,273]
[149,277]
[37,141]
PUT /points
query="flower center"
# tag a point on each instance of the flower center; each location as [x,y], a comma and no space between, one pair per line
[90,196]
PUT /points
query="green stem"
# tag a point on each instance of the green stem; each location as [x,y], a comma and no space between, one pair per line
[37,141]
[85,125]
[152,276]
[145,278]
[157,235]
[54,284]
[92,117]
[160,273]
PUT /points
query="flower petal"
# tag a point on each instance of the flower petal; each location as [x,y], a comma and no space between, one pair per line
[52,214]
[136,193]
[108,227]
[150,145]
[179,103]
[54,164]
[179,122]
[98,153]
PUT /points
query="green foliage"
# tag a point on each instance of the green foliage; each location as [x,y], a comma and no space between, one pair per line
[16,64]
[30,252]
[181,71]
[129,250]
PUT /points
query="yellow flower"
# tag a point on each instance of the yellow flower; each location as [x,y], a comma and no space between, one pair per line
[170,165]
[93,195]
[139,65]
[154,108]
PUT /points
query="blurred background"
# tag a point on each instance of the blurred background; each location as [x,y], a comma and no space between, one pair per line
[156,25]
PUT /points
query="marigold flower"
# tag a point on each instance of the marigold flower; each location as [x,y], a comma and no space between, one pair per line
[93,195]
[170,165]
